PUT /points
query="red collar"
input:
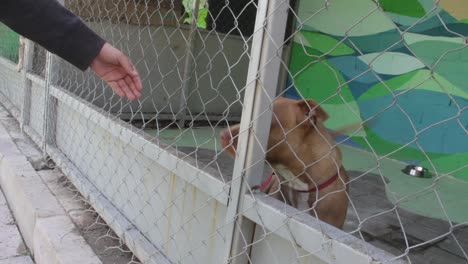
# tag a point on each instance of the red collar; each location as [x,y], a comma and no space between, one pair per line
[313,189]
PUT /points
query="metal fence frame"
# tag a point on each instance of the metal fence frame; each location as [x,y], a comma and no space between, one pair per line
[243,210]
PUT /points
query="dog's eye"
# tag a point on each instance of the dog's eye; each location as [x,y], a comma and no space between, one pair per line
[313,118]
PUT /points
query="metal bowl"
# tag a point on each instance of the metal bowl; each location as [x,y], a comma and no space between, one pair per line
[416,171]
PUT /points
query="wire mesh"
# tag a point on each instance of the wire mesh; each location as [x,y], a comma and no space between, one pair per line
[378,85]
[365,88]
[11,86]
[193,80]
[38,66]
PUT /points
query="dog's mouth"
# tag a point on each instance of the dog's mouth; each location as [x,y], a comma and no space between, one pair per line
[228,138]
[225,137]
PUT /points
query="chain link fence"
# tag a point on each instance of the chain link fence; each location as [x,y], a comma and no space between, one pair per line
[268,131]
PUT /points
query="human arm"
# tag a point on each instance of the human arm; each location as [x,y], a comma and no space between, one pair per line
[54,27]
[61,32]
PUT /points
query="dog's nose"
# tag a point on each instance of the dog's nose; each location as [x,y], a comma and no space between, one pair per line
[226,135]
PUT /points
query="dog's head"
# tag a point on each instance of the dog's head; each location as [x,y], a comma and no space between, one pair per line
[293,123]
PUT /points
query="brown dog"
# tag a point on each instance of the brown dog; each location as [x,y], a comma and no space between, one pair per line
[303,154]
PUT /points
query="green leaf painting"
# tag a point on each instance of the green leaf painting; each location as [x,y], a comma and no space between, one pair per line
[411,8]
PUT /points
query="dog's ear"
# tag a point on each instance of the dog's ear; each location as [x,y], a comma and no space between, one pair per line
[312,110]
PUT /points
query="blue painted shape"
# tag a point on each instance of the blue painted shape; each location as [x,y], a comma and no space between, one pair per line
[427,24]
[411,162]
[376,42]
[357,88]
[350,67]
[424,108]
[343,139]
[405,50]
[291,91]
[460,28]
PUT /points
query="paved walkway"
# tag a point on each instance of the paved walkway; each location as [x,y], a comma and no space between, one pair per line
[12,248]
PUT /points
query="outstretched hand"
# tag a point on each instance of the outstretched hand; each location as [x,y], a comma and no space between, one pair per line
[117,70]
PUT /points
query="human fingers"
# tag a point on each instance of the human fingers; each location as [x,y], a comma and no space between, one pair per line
[137,81]
[132,86]
[125,62]
[128,93]
[131,70]
[115,86]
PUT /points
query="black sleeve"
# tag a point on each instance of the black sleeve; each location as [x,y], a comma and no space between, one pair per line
[54,27]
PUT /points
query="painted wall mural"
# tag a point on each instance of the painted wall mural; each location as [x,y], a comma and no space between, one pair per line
[8,43]
[404,68]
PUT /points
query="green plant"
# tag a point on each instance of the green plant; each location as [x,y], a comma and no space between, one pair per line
[202,12]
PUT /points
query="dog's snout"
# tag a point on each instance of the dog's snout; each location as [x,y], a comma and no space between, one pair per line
[228,140]
[225,135]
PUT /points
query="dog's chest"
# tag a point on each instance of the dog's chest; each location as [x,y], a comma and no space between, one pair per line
[296,199]
[291,179]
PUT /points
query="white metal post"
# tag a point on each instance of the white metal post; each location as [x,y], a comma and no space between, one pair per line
[262,83]
[50,115]
[28,54]
[188,65]
[48,134]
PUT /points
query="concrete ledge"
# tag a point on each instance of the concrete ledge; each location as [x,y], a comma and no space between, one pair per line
[56,242]
[46,228]
[17,260]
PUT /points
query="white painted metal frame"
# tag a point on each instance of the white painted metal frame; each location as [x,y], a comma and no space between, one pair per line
[27,66]
[8,102]
[308,233]
[326,242]
[137,243]
[36,82]
[129,134]
[260,210]
[48,114]
[244,209]
[262,82]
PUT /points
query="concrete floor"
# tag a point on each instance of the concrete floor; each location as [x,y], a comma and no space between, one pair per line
[394,211]
[12,247]
[87,224]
